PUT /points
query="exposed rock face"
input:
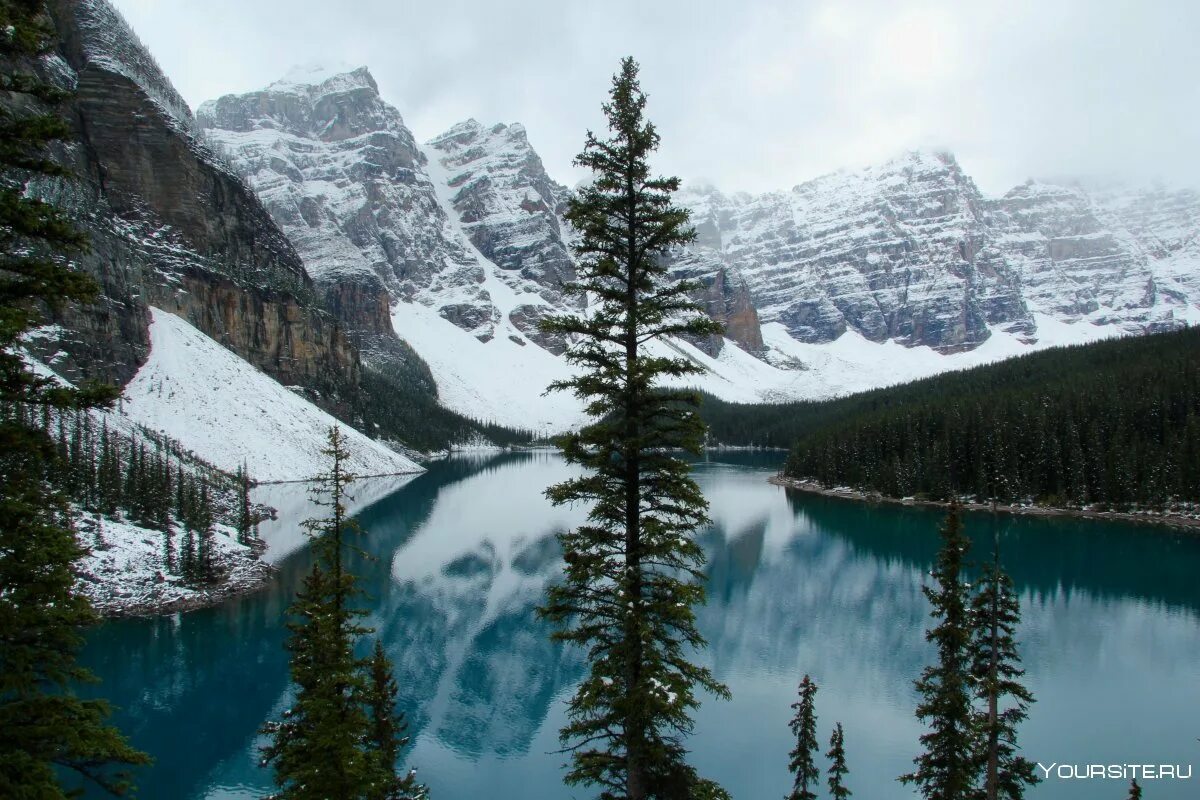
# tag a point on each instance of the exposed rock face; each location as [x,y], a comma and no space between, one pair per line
[341,174]
[512,212]
[894,252]
[366,207]
[911,251]
[172,225]
[725,297]
[1110,255]
[508,205]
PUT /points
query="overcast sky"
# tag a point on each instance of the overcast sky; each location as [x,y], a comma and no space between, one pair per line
[752,95]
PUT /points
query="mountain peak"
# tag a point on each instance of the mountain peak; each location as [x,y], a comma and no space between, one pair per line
[336,76]
[510,136]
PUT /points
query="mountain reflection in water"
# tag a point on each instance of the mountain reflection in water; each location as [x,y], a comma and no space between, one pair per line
[461,556]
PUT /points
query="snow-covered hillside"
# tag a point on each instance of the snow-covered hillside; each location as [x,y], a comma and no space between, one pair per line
[229,413]
[848,282]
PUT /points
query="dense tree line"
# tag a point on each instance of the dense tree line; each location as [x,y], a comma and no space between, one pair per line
[1113,423]
[107,473]
[755,424]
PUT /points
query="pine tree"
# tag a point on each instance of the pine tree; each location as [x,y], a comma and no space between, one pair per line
[387,729]
[206,563]
[1135,791]
[632,573]
[48,736]
[996,673]
[187,555]
[319,749]
[947,768]
[804,728]
[246,527]
[837,764]
[108,474]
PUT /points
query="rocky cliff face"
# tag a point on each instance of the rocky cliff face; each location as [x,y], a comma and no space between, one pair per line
[1111,255]
[172,225]
[910,251]
[469,230]
[470,226]
[512,212]
[893,252]
[725,297]
[341,174]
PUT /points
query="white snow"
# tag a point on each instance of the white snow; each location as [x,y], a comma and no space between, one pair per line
[504,382]
[312,73]
[498,380]
[194,390]
[124,570]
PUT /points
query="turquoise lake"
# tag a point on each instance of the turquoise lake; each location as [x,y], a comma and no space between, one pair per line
[797,584]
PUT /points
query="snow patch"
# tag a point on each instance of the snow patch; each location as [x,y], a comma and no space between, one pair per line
[124,572]
[197,392]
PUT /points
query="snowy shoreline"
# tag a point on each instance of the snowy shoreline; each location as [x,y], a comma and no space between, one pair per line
[409,473]
[123,575]
[1190,524]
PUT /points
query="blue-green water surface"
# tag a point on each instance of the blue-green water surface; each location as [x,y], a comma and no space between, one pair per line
[798,584]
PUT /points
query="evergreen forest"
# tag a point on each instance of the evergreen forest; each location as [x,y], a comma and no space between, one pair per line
[1115,423]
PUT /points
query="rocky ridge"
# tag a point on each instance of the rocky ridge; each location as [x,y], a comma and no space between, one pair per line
[908,251]
[171,225]
[379,219]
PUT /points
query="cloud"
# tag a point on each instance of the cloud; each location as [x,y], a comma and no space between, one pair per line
[751,95]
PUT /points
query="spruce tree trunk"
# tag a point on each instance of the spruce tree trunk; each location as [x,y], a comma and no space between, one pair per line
[993,762]
[635,782]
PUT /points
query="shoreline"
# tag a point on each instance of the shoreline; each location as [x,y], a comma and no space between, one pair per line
[1176,521]
[356,477]
[258,577]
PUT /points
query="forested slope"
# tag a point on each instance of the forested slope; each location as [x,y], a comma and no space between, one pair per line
[1113,423]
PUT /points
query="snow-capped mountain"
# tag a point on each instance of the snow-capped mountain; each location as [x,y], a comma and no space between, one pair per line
[910,251]
[846,282]
[465,235]
[511,211]
[1108,254]
[891,252]
[207,316]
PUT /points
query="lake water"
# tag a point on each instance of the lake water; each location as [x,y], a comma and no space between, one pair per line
[1110,638]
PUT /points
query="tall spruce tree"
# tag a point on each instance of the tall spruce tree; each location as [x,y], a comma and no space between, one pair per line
[947,769]
[317,750]
[341,736]
[247,527]
[50,740]
[803,764]
[632,574]
[837,764]
[387,732]
[996,674]
[1135,791]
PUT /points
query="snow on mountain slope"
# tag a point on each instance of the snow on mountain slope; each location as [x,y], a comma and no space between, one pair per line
[342,175]
[848,282]
[194,390]
[501,380]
